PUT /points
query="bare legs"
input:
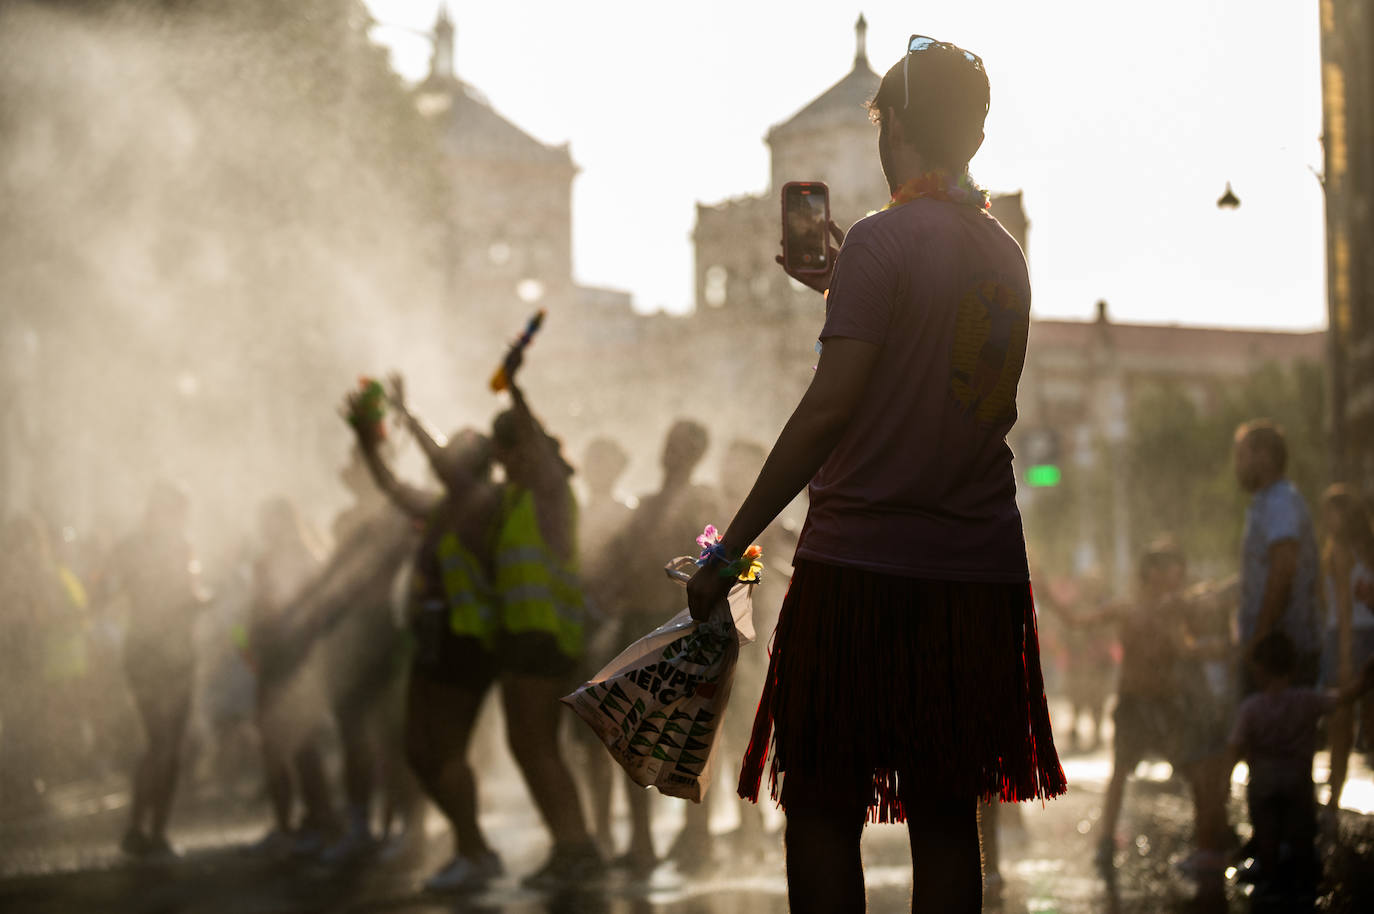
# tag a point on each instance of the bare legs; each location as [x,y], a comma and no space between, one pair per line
[1341,724]
[164,710]
[359,741]
[533,713]
[288,722]
[1211,783]
[1123,765]
[825,869]
[599,773]
[438,729]
[947,875]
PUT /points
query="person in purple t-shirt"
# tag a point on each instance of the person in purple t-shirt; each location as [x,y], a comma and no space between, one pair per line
[904,682]
[1276,734]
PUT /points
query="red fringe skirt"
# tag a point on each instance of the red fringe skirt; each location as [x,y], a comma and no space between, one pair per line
[915,686]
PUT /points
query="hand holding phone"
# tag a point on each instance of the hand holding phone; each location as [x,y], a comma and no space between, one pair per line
[807,254]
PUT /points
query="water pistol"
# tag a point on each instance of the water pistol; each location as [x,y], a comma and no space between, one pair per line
[368,408]
[501,379]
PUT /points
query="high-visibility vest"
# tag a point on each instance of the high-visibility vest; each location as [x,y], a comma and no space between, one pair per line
[65,655]
[468,593]
[538,591]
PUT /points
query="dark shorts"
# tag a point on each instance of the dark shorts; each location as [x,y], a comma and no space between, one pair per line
[535,654]
[1148,726]
[441,656]
[876,678]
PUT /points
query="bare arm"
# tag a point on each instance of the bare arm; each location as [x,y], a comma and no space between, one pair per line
[1339,575]
[411,500]
[1355,688]
[1217,591]
[429,440]
[1107,613]
[373,552]
[803,447]
[1283,568]
[553,469]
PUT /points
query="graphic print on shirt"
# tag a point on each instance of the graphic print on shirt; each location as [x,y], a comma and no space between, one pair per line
[989,349]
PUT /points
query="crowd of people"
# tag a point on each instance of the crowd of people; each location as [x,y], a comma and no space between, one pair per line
[369,659]
[1218,672]
[903,680]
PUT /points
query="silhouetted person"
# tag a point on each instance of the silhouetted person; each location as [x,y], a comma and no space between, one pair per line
[365,657]
[1088,675]
[1279,562]
[452,617]
[543,631]
[601,520]
[665,525]
[292,713]
[1347,574]
[1154,717]
[30,596]
[1276,734]
[905,682]
[156,569]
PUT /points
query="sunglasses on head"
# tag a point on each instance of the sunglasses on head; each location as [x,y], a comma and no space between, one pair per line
[917,43]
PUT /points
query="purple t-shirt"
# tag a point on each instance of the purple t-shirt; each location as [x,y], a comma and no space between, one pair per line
[1280,727]
[921,483]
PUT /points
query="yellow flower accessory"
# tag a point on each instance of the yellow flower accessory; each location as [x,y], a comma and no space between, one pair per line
[747,569]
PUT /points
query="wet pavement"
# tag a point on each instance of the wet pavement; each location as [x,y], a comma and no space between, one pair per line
[63,859]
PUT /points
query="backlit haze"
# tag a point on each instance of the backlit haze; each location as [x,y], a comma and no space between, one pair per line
[1121,124]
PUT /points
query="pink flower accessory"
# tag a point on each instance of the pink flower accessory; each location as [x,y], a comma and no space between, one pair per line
[747,568]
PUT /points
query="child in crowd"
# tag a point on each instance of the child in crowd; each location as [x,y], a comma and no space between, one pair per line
[1157,714]
[1276,734]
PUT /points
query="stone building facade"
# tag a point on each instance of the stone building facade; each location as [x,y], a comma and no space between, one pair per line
[830,139]
[508,247]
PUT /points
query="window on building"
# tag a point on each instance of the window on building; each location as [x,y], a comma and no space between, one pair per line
[717,278]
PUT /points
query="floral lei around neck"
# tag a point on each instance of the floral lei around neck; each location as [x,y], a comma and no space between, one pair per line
[939,185]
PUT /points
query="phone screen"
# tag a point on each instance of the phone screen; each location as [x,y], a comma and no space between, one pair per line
[806,212]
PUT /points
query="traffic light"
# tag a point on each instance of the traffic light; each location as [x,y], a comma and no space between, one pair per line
[1042,453]
[1043,476]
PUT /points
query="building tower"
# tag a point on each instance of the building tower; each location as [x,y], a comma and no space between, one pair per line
[508,246]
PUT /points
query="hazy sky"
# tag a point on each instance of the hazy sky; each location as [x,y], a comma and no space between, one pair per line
[1121,124]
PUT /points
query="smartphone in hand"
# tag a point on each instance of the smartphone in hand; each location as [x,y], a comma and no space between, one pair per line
[805,227]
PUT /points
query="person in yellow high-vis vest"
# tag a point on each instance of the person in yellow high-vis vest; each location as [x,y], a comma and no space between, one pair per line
[453,620]
[542,628]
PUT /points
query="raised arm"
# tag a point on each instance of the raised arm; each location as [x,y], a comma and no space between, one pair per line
[549,459]
[411,500]
[430,441]
[373,552]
